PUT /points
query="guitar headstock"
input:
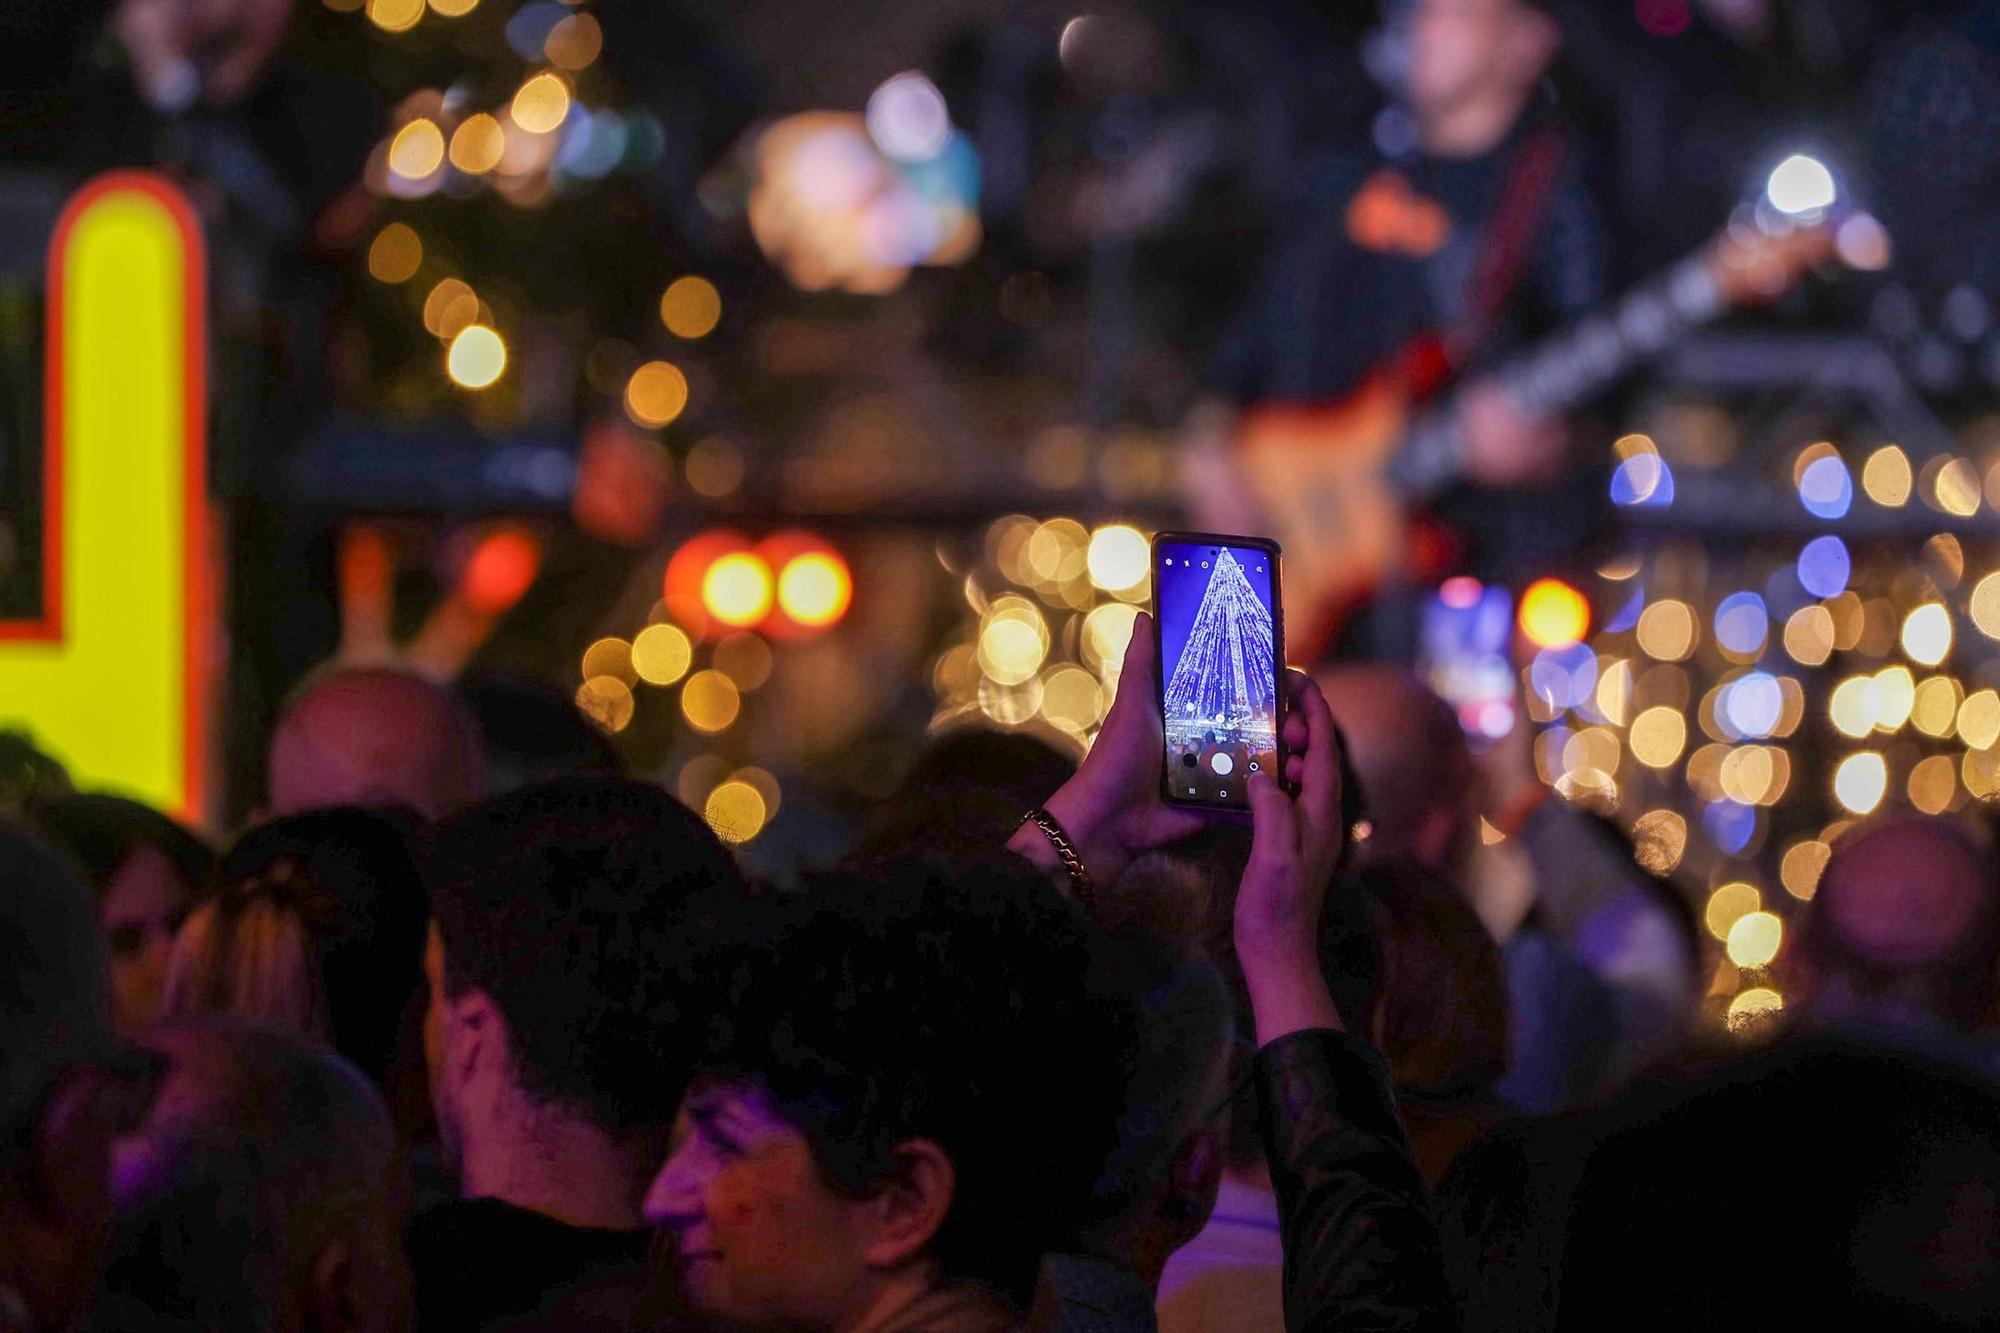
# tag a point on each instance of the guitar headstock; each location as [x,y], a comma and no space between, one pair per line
[1750,265]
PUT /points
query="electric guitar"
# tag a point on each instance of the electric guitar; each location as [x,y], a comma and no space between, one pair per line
[1332,481]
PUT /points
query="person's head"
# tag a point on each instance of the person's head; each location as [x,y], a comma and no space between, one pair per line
[1441,1016]
[911,1093]
[530,732]
[146,871]
[1902,927]
[1875,1175]
[965,792]
[1411,758]
[316,928]
[1173,1027]
[577,930]
[262,1195]
[67,1086]
[374,736]
[1476,52]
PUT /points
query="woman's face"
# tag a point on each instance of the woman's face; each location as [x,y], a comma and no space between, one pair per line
[142,907]
[758,1235]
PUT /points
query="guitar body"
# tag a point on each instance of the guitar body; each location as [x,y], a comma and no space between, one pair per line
[1318,475]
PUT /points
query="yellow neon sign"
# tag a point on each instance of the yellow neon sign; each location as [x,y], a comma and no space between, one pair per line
[112,677]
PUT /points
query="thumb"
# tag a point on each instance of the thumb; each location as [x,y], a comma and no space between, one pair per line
[1137,678]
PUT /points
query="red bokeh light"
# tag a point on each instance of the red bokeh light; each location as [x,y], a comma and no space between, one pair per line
[500,569]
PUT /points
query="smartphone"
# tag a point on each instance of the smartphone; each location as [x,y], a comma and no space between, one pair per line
[1467,629]
[1220,634]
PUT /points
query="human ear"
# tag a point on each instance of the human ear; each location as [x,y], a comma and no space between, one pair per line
[910,1204]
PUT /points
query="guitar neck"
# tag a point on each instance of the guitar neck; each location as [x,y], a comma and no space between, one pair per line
[1568,368]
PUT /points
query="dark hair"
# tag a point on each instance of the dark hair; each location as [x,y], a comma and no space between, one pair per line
[316,925]
[586,909]
[965,793]
[1443,990]
[99,834]
[533,732]
[948,1001]
[1875,1171]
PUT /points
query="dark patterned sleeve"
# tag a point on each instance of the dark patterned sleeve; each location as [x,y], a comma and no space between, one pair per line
[1361,1246]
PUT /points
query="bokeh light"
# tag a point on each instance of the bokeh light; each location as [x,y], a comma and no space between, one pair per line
[478,357]
[541,104]
[661,654]
[477,144]
[395,15]
[1072,698]
[1933,784]
[1553,614]
[1860,781]
[656,394]
[1013,641]
[1666,631]
[1742,625]
[500,569]
[1809,635]
[737,589]
[574,43]
[1751,1010]
[1895,696]
[395,254]
[814,589]
[1800,869]
[1979,720]
[1824,567]
[1658,734]
[1800,185]
[1984,606]
[417,149]
[1106,633]
[607,701]
[735,810]
[1825,488]
[1118,557]
[1927,634]
[1754,939]
[691,307]
[450,308]
[907,118]
[1659,839]
[710,701]
[1729,904]
[609,656]
[1886,477]
[1935,709]
[452,9]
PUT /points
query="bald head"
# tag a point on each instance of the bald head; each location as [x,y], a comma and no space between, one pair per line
[374,736]
[1411,757]
[1904,918]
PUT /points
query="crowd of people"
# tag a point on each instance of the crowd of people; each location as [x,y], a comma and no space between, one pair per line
[440,1045]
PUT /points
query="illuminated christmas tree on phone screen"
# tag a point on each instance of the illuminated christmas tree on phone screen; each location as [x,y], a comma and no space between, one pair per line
[1223,690]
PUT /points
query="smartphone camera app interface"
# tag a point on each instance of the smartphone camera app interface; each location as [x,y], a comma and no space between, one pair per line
[1218,656]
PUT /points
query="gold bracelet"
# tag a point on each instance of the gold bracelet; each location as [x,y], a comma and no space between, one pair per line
[1079,878]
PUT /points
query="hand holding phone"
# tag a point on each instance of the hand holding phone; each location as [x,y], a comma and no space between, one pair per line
[1221,653]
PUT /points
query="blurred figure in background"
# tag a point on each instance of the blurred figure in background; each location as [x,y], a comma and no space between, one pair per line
[374,736]
[1901,934]
[966,792]
[146,871]
[1441,1018]
[262,1195]
[577,952]
[68,1086]
[1600,966]
[316,928]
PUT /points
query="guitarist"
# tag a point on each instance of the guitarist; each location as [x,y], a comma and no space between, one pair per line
[1480,235]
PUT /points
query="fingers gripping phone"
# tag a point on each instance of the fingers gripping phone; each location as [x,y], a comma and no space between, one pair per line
[1220,636]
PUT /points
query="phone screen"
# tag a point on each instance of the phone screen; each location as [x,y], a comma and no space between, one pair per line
[1221,648]
[1467,628]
